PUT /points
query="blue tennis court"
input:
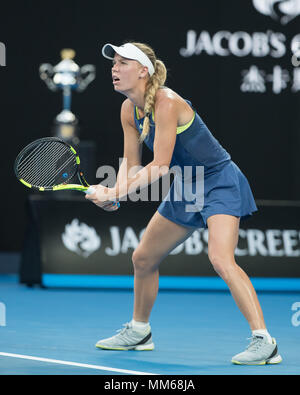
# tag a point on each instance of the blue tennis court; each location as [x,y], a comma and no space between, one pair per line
[53,332]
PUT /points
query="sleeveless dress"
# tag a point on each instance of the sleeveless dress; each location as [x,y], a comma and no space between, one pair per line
[206,180]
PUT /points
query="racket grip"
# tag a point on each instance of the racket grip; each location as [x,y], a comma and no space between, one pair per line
[90,191]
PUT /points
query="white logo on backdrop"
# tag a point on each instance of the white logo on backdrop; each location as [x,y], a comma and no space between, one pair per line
[257,45]
[281,10]
[255,80]
[81,238]
[252,242]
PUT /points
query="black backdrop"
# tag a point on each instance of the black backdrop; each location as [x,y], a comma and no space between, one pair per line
[260,129]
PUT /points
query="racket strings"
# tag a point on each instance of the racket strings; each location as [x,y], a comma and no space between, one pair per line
[51,175]
[26,161]
[46,172]
[31,153]
[27,167]
[57,178]
[34,170]
[47,164]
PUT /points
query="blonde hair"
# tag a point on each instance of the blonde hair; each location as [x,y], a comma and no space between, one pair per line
[156,81]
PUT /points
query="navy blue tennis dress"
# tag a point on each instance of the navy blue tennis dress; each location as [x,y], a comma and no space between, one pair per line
[206,180]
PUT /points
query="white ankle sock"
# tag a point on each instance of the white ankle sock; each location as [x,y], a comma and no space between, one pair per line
[263,332]
[138,325]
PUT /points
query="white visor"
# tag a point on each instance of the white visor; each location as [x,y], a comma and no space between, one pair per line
[128,51]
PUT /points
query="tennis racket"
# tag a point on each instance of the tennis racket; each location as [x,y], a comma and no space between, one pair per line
[48,164]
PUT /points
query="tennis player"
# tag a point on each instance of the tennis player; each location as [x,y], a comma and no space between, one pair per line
[172,128]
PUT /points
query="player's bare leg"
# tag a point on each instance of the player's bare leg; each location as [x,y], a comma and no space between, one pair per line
[160,238]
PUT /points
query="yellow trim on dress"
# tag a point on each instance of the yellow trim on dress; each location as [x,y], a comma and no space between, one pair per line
[179,129]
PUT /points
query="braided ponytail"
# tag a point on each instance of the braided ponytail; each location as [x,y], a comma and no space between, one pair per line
[154,83]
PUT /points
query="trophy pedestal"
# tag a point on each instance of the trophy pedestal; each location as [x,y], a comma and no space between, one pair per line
[67,131]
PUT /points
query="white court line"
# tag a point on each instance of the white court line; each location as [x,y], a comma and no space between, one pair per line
[80,365]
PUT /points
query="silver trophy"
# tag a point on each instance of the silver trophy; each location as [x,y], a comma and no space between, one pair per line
[67,76]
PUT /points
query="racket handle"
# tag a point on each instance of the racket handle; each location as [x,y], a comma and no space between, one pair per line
[90,191]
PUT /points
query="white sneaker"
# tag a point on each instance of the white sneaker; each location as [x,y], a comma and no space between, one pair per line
[128,339]
[259,352]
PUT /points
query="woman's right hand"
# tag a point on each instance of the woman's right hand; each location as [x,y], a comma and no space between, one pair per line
[98,195]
